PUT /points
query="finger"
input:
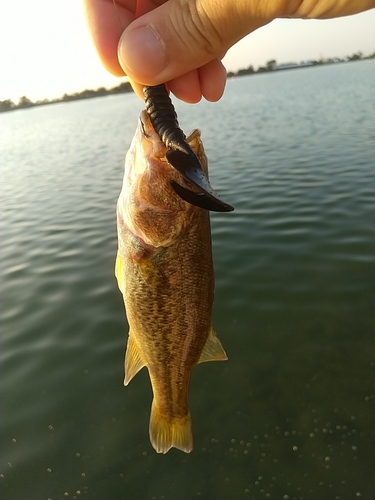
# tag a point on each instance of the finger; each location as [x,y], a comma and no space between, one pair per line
[180,36]
[213,77]
[208,82]
[326,9]
[106,22]
[187,87]
[137,87]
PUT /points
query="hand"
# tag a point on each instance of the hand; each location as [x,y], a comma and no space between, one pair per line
[181,42]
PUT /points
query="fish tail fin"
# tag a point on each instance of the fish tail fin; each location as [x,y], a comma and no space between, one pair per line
[166,432]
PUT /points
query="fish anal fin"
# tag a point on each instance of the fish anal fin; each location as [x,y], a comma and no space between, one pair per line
[119,273]
[212,350]
[133,360]
[167,433]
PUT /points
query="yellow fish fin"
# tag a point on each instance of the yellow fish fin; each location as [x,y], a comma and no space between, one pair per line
[133,360]
[212,350]
[167,433]
[119,273]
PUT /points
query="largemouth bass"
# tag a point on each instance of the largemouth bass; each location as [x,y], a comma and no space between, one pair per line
[165,273]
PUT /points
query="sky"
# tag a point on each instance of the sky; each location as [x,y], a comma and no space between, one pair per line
[45,49]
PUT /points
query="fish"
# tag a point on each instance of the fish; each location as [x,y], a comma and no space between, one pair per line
[165,273]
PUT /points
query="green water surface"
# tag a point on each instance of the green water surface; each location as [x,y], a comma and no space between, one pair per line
[290,414]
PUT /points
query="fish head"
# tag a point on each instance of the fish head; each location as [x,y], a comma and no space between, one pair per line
[148,204]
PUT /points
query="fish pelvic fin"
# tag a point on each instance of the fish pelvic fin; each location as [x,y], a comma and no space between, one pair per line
[133,360]
[167,433]
[212,350]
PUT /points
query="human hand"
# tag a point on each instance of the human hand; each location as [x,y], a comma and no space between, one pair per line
[181,42]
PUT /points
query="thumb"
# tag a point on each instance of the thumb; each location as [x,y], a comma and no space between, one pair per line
[182,35]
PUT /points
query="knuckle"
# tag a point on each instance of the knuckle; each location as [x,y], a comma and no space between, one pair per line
[203,35]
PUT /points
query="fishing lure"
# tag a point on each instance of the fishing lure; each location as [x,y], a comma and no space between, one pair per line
[180,155]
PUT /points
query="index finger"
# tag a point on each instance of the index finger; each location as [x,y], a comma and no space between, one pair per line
[106,21]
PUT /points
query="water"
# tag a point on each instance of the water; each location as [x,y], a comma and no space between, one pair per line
[290,415]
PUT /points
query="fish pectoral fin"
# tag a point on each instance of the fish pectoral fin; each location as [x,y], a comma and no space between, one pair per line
[212,350]
[133,360]
[167,433]
[119,273]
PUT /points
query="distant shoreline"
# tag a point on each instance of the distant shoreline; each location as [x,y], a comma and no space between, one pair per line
[271,66]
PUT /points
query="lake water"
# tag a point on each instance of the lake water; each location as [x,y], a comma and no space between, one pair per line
[290,414]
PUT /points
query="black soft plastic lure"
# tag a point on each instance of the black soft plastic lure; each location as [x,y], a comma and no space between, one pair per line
[180,155]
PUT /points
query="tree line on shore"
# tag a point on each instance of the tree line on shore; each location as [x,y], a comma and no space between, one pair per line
[25,102]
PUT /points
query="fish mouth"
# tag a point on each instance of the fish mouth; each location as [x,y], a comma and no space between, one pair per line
[179,153]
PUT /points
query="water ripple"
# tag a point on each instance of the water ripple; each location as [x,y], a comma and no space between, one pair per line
[293,152]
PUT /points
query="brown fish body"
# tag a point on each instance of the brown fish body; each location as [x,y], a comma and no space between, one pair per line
[165,273]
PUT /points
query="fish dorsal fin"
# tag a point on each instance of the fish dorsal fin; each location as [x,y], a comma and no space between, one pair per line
[119,273]
[133,360]
[212,350]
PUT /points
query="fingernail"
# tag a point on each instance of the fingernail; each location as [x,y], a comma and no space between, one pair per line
[141,53]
